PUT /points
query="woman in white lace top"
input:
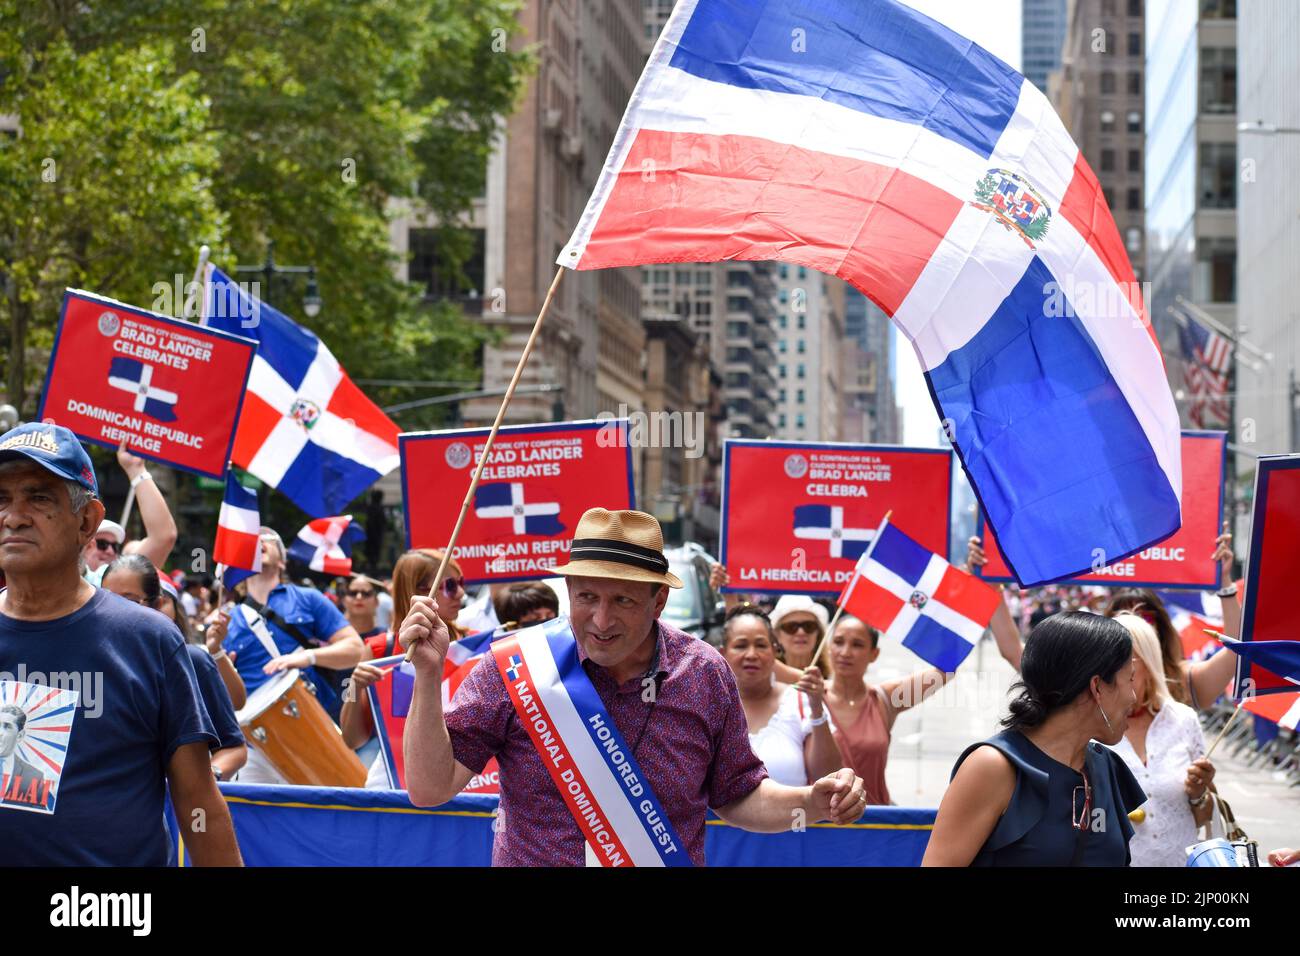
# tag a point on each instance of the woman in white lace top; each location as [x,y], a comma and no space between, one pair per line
[1165,749]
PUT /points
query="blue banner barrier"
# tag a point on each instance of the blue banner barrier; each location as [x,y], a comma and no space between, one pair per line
[320,826]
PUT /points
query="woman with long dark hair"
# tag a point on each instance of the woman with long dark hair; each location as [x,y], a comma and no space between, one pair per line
[1044,792]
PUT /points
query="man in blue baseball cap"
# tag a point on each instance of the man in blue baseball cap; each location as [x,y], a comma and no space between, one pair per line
[112,709]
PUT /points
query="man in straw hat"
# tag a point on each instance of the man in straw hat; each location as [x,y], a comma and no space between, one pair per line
[614,731]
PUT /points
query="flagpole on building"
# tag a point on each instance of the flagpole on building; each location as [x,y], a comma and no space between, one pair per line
[487,446]
[839,607]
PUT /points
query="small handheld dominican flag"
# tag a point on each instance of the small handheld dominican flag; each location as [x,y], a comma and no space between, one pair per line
[238,548]
[505,499]
[938,611]
[326,544]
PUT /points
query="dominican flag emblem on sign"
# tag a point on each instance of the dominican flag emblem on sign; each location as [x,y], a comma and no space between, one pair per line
[136,377]
[910,594]
[505,499]
[826,523]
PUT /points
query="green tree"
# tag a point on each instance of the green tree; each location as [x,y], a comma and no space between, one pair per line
[107,177]
[312,119]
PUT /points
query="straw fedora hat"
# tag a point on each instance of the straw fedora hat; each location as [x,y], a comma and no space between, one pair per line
[627,545]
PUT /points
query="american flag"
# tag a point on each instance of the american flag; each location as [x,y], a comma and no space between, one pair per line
[1209,357]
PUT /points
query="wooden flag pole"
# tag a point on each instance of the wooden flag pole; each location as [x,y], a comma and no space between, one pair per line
[830,628]
[1226,725]
[1224,639]
[492,435]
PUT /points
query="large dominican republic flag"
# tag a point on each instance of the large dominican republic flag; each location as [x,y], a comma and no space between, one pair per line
[863,139]
[306,429]
[912,595]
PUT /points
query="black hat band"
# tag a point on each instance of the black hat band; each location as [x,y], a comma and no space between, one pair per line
[619,552]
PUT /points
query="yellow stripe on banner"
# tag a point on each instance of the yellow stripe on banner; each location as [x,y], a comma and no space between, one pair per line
[335,806]
[847,826]
[180,847]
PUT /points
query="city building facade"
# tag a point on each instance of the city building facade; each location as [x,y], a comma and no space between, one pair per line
[1191,173]
[1268,227]
[1098,92]
[1041,32]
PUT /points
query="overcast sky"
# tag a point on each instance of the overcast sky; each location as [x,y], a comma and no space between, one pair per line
[994,25]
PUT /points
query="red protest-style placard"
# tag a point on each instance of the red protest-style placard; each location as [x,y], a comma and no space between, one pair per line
[1185,559]
[537,483]
[172,389]
[796,516]
[1268,608]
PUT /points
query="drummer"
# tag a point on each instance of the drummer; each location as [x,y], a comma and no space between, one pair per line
[281,626]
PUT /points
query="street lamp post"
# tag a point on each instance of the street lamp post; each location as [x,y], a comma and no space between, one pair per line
[311,301]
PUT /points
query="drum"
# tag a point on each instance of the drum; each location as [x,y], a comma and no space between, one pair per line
[283,720]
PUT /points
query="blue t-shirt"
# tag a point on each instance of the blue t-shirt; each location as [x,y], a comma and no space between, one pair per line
[307,610]
[104,697]
[216,699]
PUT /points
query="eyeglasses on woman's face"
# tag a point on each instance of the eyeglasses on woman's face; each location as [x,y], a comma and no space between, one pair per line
[794,627]
[107,544]
[359,595]
[450,586]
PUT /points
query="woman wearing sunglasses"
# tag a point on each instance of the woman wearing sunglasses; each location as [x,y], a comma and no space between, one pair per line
[798,622]
[1044,792]
[1194,683]
[413,574]
[361,604]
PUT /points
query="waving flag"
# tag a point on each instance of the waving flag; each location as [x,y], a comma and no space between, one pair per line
[1281,709]
[505,499]
[910,594]
[826,523]
[1209,359]
[326,544]
[306,429]
[861,138]
[1280,657]
[131,375]
[390,702]
[238,549]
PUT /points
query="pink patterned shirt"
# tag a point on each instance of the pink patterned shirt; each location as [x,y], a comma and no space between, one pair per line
[694,749]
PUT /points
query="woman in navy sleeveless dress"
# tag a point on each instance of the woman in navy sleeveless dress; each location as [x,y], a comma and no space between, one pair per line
[1044,792]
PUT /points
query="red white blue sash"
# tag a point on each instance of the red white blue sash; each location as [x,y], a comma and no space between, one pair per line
[588,759]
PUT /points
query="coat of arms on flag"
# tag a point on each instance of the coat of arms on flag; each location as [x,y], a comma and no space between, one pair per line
[136,377]
[505,499]
[909,594]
